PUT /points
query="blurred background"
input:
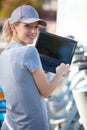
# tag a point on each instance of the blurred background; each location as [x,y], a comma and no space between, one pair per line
[67,18]
[64,17]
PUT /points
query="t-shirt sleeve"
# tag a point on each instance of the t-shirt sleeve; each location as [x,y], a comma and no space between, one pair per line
[32,59]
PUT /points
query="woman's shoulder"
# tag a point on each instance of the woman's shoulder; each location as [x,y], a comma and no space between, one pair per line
[30,49]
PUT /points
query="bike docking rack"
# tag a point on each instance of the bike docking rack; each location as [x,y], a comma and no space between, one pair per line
[80,90]
[80,96]
[62,108]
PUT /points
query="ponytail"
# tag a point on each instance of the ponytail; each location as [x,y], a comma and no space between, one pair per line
[7,32]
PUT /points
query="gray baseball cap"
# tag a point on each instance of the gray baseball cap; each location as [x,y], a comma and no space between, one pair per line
[25,14]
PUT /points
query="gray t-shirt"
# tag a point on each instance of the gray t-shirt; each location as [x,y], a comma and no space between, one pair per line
[26,109]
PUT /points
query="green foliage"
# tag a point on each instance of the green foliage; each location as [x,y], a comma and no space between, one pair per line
[7,6]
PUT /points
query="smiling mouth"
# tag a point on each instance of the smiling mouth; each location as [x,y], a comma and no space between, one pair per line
[30,37]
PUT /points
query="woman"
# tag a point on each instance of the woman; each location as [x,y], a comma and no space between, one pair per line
[23,80]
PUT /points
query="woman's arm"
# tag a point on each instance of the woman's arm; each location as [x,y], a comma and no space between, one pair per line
[45,87]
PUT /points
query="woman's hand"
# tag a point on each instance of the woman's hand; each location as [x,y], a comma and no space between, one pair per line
[63,69]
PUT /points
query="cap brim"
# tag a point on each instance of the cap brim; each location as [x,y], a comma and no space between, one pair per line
[32,20]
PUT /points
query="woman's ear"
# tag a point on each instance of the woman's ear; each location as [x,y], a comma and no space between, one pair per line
[12,27]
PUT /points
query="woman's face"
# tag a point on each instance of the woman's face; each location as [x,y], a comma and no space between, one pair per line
[25,33]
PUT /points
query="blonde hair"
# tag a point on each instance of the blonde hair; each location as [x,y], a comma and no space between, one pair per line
[6,31]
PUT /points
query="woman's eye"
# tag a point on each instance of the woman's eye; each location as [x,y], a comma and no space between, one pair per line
[31,27]
[36,27]
[26,25]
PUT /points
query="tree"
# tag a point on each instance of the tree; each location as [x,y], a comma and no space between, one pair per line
[7,6]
